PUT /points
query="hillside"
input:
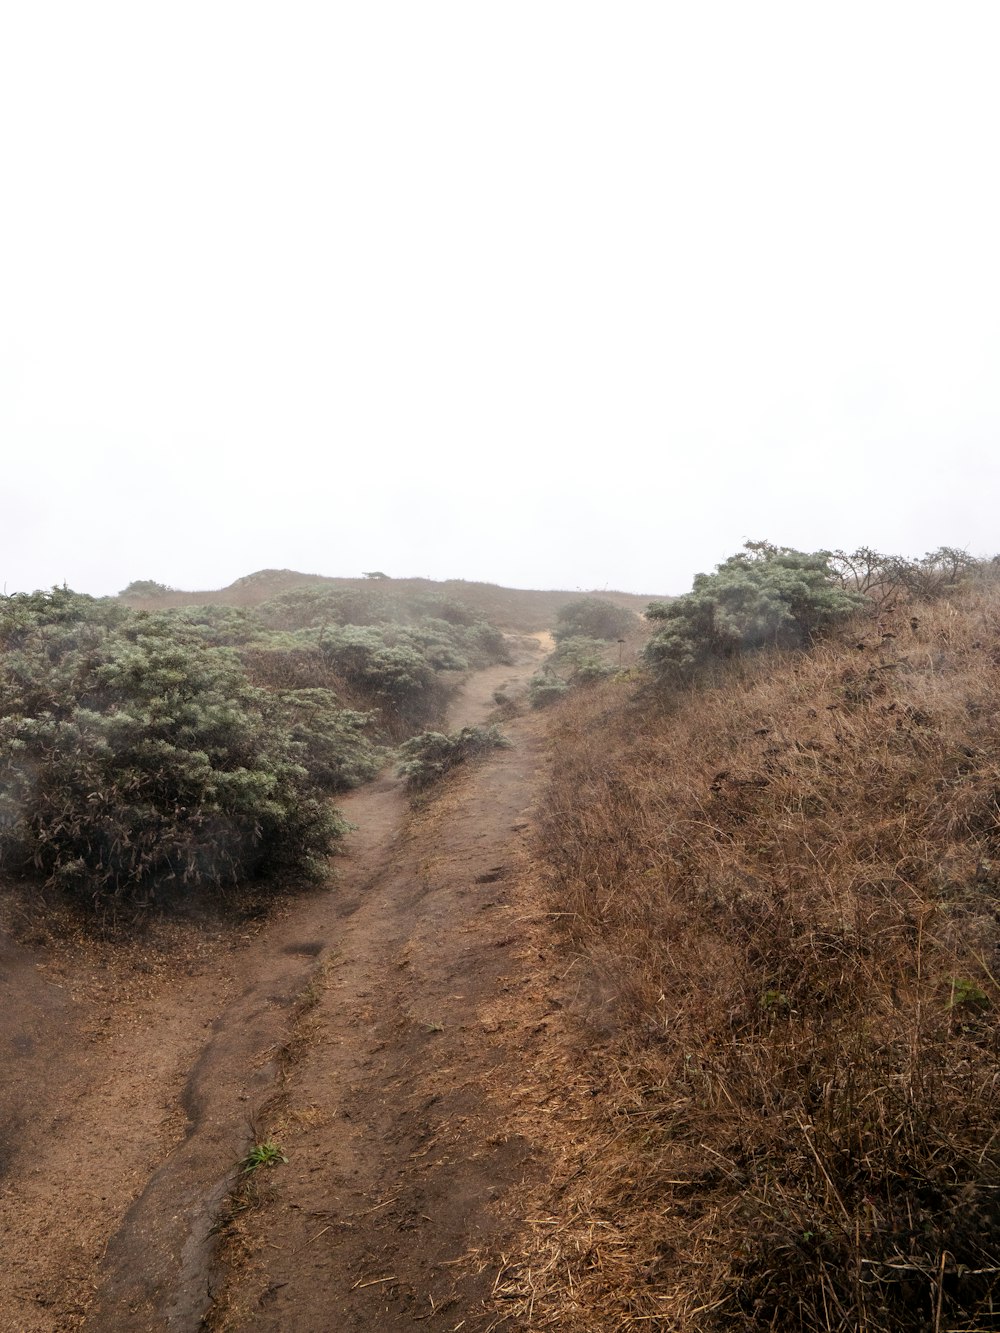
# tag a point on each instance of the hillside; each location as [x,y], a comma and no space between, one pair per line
[672,1007]
[511,608]
[779,1088]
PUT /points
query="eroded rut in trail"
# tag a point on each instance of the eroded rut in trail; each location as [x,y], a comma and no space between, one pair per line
[366,1027]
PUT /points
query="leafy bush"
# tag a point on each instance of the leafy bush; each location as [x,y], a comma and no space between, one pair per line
[437,606]
[196,746]
[391,652]
[145,588]
[219,625]
[583,658]
[282,666]
[330,741]
[545,689]
[403,669]
[133,755]
[764,595]
[427,757]
[485,644]
[395,675]
[592,618]
[304,607]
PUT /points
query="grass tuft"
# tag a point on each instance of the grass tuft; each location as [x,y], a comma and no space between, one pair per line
[262,1155]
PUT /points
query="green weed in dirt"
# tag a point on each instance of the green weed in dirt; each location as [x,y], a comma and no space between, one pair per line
[263,1155]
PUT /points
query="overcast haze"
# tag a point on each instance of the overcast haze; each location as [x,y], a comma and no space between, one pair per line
[548,294]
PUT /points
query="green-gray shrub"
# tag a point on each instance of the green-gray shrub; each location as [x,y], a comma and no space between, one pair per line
[427,757]
[592,618]
[583,658]
[133,756]
[544,690]
[145,588]
[765,595]
[330,742]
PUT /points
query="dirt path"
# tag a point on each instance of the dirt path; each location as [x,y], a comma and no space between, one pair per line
[364,1027]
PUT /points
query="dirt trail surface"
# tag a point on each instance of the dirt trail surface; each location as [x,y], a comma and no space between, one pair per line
[364,1027]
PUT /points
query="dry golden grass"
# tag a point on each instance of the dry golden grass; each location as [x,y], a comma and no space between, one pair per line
[782,891]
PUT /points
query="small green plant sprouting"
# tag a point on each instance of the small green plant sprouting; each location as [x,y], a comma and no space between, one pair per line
[966,994]
[264,1154]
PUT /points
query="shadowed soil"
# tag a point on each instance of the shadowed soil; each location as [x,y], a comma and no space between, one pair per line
[363,1026]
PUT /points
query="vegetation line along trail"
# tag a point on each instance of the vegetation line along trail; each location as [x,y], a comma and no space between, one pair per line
[135,1090]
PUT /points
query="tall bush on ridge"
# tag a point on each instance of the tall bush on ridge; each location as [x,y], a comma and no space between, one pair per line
[145,588]
[592,618]
[764,595]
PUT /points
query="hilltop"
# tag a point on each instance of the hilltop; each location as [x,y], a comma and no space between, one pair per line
[523,609]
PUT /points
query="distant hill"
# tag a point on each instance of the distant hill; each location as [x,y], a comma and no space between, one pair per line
[511,608]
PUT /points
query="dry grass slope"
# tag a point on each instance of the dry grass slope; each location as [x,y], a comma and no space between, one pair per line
[783,893]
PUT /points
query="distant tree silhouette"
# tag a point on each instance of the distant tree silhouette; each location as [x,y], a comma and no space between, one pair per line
[145,588]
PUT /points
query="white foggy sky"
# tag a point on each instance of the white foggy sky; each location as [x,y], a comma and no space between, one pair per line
[550,294]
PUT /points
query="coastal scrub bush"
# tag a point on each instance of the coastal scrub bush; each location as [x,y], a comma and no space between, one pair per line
[583,658]
[545,689]
[398,676]
[765,595]
[133,756]
[438,606]
[301,608]
[195,747]
[229,626]
[427,757]
[399,655]
[592,618]
[145,588]
[330,741]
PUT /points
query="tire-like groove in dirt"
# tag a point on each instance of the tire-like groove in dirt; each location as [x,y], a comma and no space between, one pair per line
[130,1105]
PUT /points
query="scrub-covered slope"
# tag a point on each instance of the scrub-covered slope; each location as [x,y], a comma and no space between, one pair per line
[779,872]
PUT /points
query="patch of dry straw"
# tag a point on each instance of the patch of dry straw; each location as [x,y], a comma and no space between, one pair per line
[779,893]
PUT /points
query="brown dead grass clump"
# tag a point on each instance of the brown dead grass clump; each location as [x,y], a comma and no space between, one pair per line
[783,891]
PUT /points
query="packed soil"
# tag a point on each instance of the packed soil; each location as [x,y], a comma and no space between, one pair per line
[376,1030]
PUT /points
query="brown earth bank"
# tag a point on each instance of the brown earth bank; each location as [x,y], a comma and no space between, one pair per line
[377,1030]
